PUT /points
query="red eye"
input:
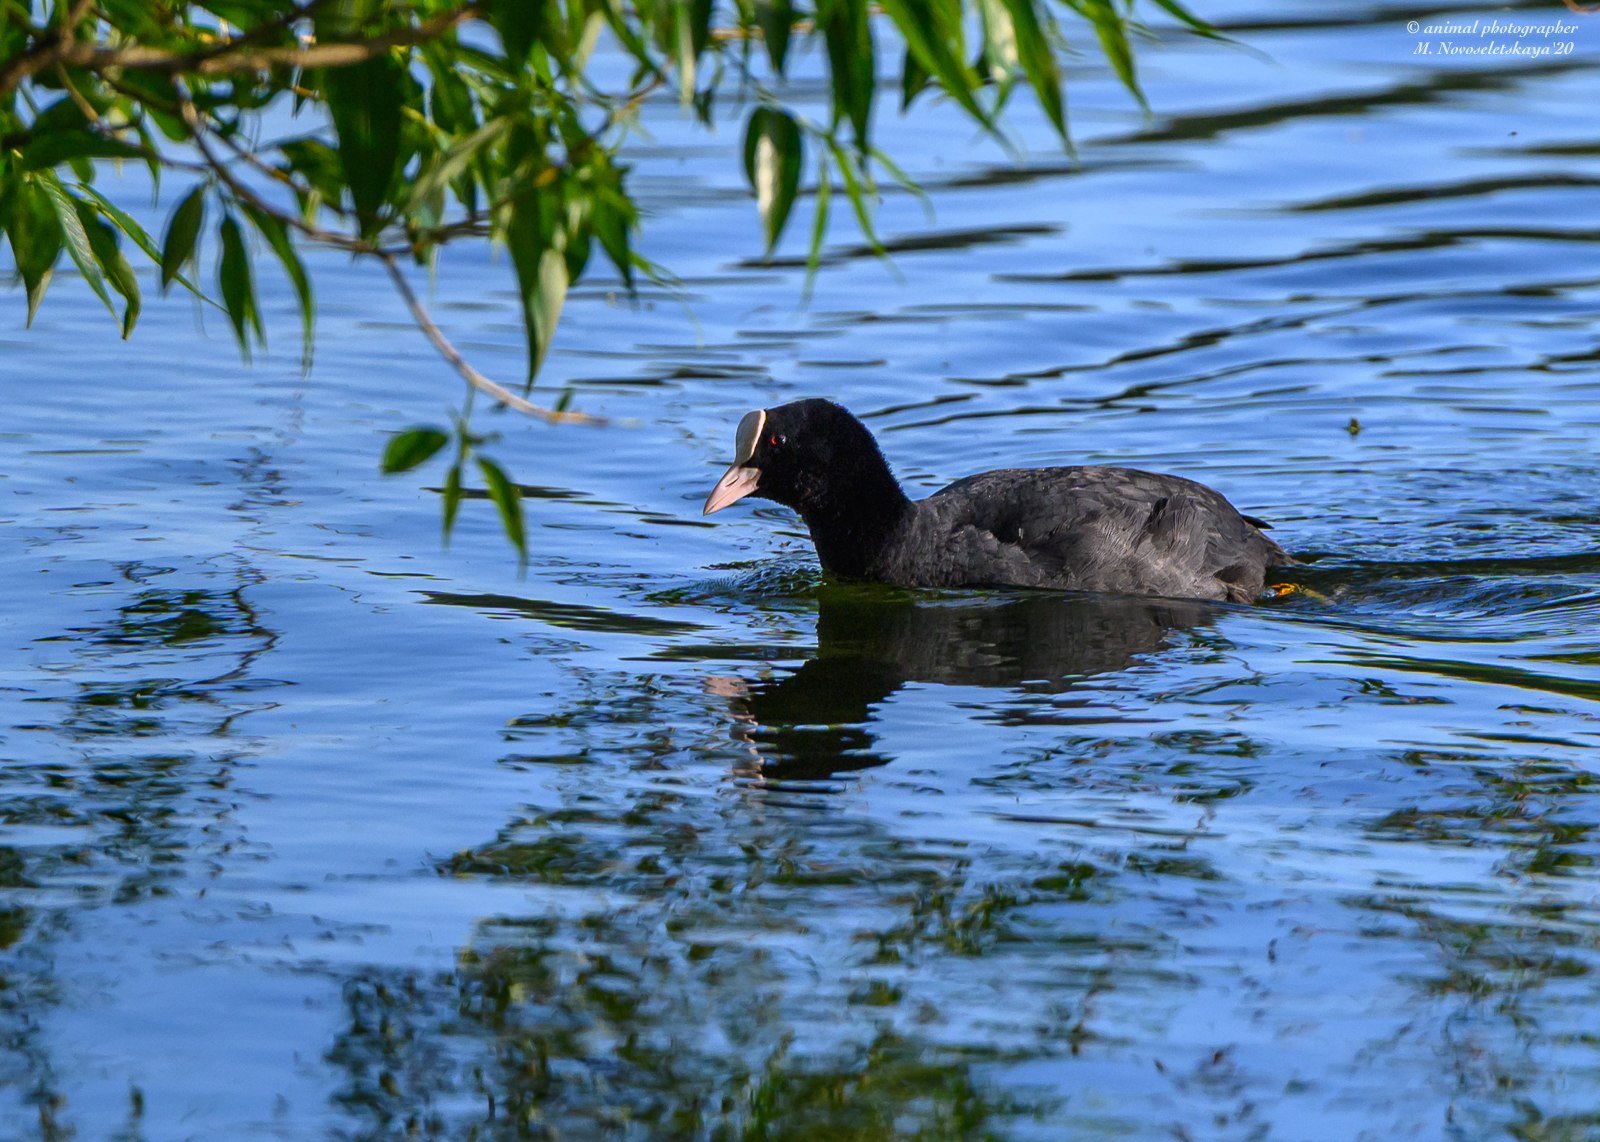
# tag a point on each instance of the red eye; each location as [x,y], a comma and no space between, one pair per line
[777,440]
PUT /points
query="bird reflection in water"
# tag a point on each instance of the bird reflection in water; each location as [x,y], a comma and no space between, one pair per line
[814,722]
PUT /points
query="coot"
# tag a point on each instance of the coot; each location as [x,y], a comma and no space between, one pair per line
[1084,528]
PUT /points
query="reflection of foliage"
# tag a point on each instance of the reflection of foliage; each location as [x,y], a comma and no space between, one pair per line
[125,819]
[660,990]
[524,1041]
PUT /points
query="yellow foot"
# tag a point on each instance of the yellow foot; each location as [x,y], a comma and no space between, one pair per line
[1284,590]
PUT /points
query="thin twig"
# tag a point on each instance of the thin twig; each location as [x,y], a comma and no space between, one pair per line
[474,378]
[200,132]
[83,105]
[251,159]
[231,57]
[419,313]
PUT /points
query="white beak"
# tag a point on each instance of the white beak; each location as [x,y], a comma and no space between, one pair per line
[739,480]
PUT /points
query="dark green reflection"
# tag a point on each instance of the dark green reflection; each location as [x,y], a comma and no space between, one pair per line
[814,722]
[589,1050]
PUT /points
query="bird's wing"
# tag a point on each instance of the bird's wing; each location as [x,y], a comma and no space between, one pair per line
[1108,529]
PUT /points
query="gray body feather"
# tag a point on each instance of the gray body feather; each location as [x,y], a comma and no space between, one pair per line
[1080,529]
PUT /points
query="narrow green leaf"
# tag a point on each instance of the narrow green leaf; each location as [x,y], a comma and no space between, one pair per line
[614,218]
[624,28]
[773,153]
[183,230]
[316,165]
[452,498]
[1039,62]
[1196,24]
[682,46]
[905,181]
[928,40]
[365,101]
[449,97]
[533,237]
[107,250]
[237,288]
[152,154]
[450,162]
[281,242]
[76,240]
[856,192]
[412,447]
[847,31]
[1111,29]
[35,233]
[576,228]
[584,34]
[819,224]
[44,151]
[776,18]
[122,221]
[999,38]
[520,24]
[699,12]
[507,498]
[914,79]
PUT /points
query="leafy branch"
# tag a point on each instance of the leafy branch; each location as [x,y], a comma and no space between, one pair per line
[415,123]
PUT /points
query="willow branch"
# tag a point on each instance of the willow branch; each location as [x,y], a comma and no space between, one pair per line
[233,56]
[474,378]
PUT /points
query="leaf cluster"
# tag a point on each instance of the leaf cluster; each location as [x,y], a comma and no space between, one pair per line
[389,128]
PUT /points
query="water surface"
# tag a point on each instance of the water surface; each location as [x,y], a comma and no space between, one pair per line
[315,828]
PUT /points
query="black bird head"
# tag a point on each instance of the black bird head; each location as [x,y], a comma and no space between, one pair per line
[811,455]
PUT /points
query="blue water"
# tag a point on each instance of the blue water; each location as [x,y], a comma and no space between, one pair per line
[316,828]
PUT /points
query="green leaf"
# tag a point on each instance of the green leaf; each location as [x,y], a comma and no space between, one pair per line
[614,217]
[281,242]
[64,115]
[508,498]
[183,230]
[1113,35]
[847,31]
[773,152]
[914,79]
[238,290]
[76,240]
[691,31]
[520,24]
[450,162]
[316,164]
[1174,9]
[999,38]
[776,18]
[365,101]
[924,36]
[35,232]
[1038,62]
[856,191]
[535,240]
[407,449]
[449,97]
[107,250]
[819,224]
[44,151]
[122,221]
[905,181]
[452,498]
[154,94]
